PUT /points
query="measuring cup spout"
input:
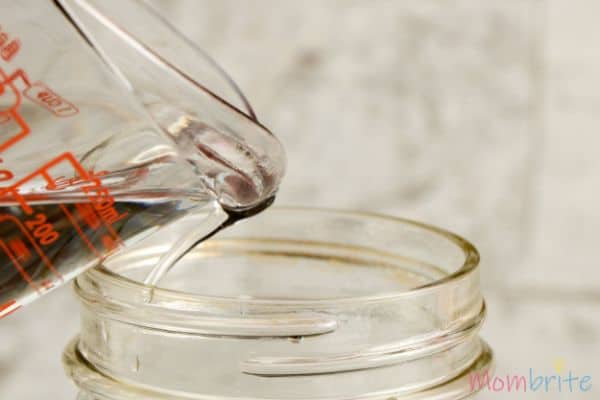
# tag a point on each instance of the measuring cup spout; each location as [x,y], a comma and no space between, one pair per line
[113,128]
[187,96]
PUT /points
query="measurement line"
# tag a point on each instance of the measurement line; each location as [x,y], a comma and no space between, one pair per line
[80,231]
[33,243]
[4,308]
[69,157]
[18,266]
[110,230]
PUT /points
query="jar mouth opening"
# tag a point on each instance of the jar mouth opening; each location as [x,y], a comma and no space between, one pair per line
[359,303]
[115,275]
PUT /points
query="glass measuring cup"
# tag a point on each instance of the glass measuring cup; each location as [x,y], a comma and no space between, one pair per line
[112,125]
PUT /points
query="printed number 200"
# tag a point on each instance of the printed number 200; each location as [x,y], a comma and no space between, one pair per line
[42,230]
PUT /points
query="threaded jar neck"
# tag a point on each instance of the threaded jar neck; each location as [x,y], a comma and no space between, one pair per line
[293,303]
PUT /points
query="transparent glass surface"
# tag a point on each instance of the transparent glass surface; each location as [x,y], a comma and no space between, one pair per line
[289,304]
[113,125]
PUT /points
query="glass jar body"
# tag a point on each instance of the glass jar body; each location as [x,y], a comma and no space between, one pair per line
[292,304]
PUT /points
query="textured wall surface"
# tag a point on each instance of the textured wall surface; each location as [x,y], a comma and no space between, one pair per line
[427,109]
[480,117]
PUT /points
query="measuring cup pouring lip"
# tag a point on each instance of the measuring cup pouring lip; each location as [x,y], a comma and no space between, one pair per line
[199,108]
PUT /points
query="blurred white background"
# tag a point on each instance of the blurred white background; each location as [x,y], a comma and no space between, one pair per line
[480,117]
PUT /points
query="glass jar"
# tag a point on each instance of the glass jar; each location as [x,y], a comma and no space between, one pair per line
[289,304]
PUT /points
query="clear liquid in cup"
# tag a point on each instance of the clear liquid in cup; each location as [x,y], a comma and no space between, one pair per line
[49,236]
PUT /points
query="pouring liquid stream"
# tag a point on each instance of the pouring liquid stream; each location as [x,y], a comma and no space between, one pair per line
[212,225]
[73,238]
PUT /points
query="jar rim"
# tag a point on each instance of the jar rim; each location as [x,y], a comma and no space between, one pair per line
[427,334]
[470,264]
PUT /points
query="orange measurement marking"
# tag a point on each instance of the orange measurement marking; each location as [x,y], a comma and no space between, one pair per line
[80,232]
[20,199]
[20,74]
[8,308]
[9,46]
[103,203]
[43,171]
[51,184]
[109,243]
[18,266]
[87,214]
[46,284]
[11,109]
[18,136]
[65,157]
[42,95]
[62,182]
[96,193]
[19,248]
[40,252]
[116,238]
